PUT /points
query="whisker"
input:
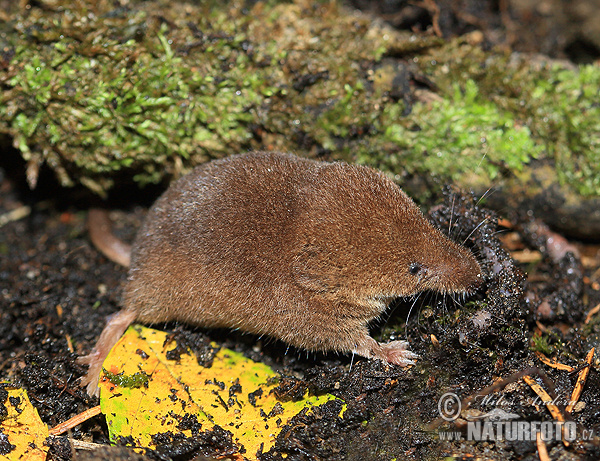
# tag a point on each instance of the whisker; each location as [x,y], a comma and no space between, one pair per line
[456,302]
[416,296]
[451,216]
[477,227]
[491,188]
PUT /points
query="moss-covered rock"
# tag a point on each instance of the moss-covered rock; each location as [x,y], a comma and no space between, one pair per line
[544,119]
[153,88]
[542,108]
[157,87]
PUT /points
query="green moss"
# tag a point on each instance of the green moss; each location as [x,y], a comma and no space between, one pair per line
[121,89]
[115,103]
[154,90]
[553,109]
[565,116]
[462,134]
[540,344]
[134,381]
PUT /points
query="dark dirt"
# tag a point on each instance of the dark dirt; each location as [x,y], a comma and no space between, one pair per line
[56,292]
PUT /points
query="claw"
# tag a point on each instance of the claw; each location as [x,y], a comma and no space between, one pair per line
[397,352]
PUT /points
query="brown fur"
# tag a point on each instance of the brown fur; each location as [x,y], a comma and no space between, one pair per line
[304,251]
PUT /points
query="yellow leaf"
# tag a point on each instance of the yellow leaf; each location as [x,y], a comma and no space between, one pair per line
[144,393]
[23,428]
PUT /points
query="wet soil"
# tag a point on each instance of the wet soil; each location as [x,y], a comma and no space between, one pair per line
[57,290]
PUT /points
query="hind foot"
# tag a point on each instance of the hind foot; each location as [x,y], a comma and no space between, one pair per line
[114,329]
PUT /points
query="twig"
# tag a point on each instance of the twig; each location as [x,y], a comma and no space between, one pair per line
[75,421]
[466,402]
[14,215]
[591,313]
[583,374]
[541,446]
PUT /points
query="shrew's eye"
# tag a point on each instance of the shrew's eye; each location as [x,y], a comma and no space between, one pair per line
[414,268]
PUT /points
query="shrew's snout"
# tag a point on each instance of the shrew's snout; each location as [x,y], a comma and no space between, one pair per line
[475,284]
[456,271]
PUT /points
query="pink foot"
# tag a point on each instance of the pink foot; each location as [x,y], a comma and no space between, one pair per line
[90,380]
[397,352]
[114,329]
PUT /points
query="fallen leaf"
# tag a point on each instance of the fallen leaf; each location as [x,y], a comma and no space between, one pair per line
[22,428]
[144,393]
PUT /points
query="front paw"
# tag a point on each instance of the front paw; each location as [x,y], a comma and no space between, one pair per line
[397,352]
